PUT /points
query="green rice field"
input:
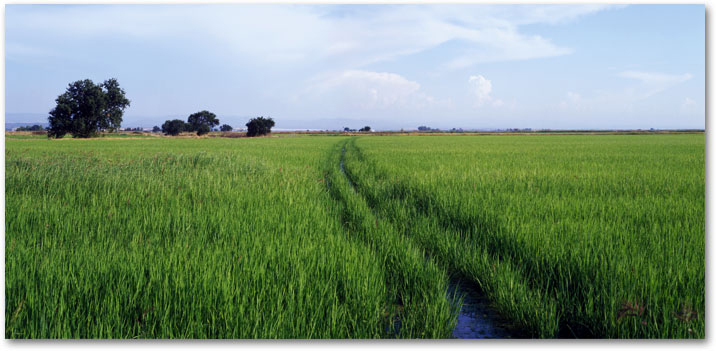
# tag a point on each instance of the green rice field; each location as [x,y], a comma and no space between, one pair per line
[587,236]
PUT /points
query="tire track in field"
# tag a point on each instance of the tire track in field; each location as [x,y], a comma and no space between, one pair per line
[567,325]
[343,168]
[476,318]
[416,305]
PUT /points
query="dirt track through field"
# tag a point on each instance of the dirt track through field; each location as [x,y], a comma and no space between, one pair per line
[476,319]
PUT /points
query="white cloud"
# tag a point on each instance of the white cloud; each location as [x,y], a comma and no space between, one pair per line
[366,90]
[308,34]
[372,89]
[551,14]
[653,82]
[504,44]
[656,78]
[481,88]
[649,84]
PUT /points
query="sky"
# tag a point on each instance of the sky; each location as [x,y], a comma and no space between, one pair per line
[387,66]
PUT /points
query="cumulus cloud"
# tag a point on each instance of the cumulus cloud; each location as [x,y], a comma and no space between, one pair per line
[367,90]
[482,88]
[371,89]
[266,54]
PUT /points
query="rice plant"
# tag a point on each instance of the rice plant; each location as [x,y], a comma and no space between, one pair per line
[571,236]
[344,237]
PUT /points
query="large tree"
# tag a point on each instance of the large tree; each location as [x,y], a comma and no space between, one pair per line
[259,126]
[202,122]
[87,108]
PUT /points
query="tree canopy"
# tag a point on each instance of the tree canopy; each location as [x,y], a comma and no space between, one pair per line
[87,108]
[226,128]
[173,127]
[202,122]
[259,126]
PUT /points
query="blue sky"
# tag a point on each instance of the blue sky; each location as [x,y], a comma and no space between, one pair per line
[387,66]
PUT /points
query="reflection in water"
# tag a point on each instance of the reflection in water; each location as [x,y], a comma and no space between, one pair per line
[476,319]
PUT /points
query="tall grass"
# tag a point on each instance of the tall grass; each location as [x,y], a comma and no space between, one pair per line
[182,239]
[420,287]
[587,236]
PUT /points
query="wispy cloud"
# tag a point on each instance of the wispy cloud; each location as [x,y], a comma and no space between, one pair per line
[653,82]
[626,98]
[412,63]
[656,78]
[301,34]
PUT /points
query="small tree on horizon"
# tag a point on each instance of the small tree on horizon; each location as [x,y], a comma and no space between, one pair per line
[156,129]
[259,126]
[34,128]
[226,128]
[173,127]
[364,129]
[202,122]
